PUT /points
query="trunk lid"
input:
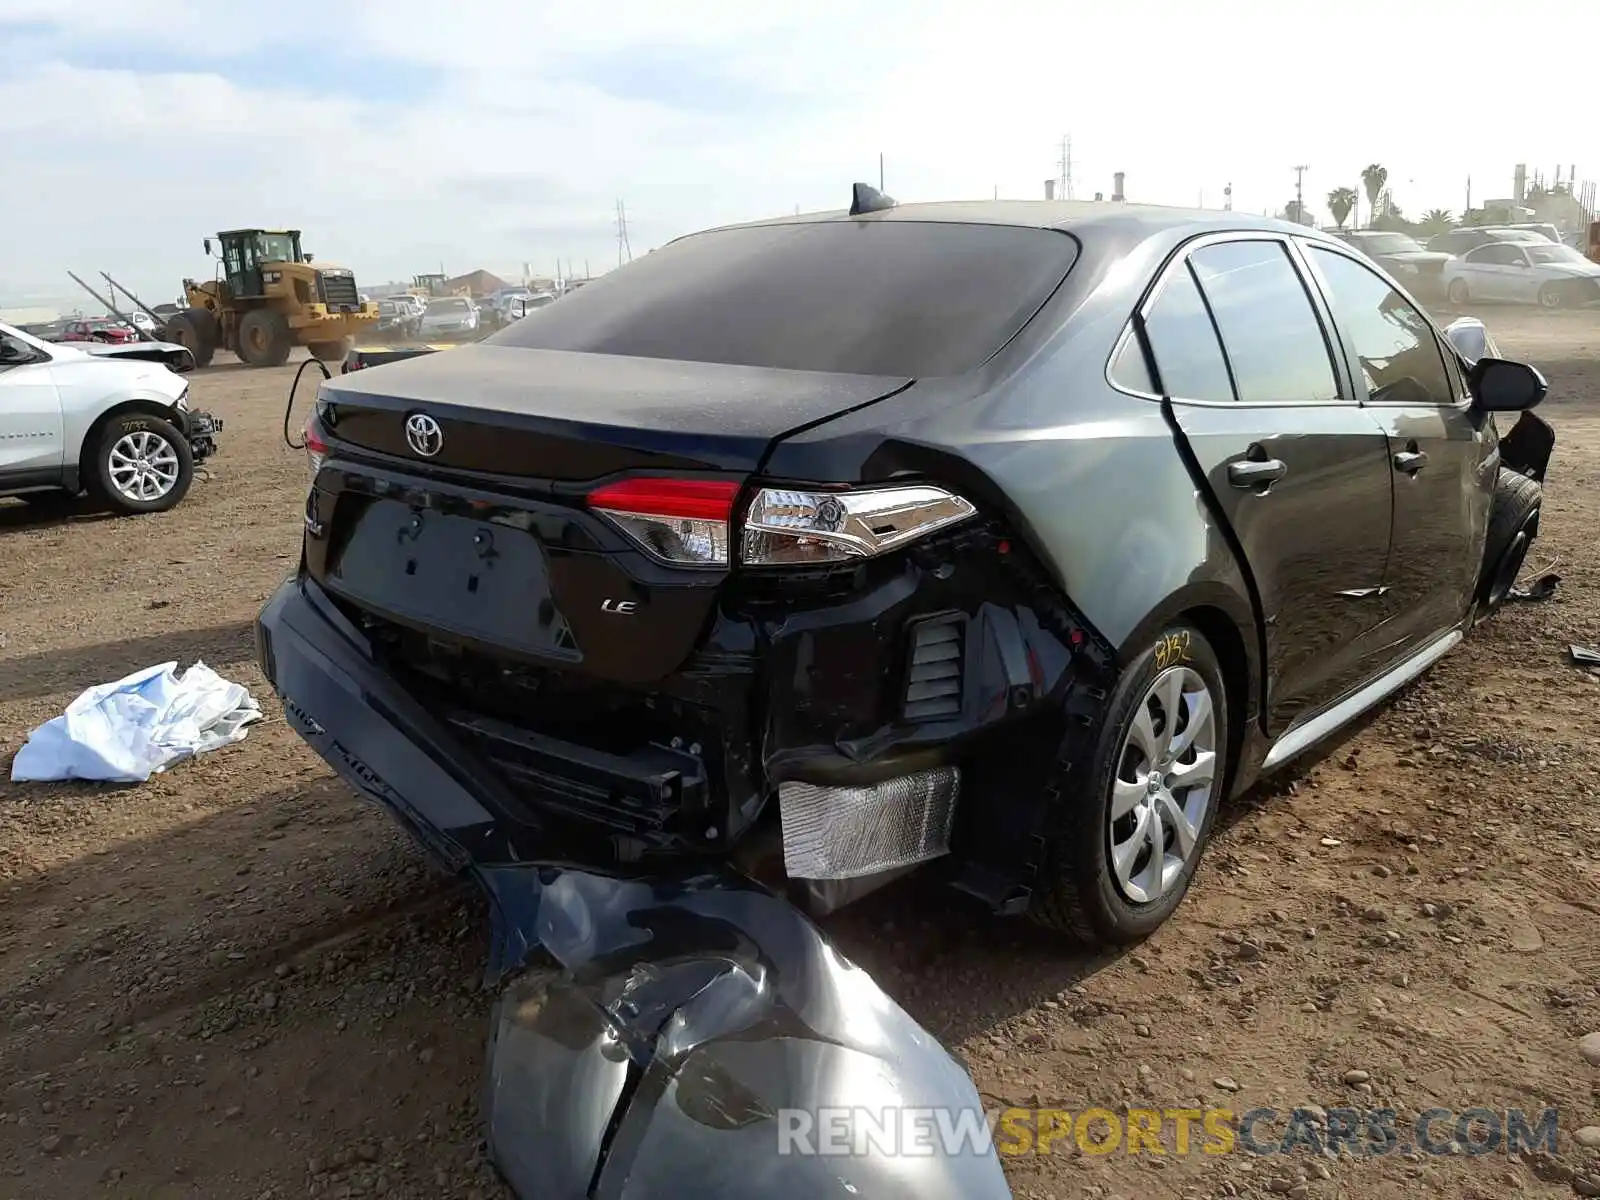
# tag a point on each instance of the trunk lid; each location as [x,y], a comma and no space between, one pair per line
[564,416]
[486,544]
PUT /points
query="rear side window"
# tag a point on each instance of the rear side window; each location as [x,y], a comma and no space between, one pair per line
[1274,341]
[1184,342]
[862,297]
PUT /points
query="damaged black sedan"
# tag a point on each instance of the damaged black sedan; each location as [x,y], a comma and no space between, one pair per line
[1006,537]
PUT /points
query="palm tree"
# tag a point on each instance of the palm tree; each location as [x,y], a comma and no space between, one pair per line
[1373,179]
[1437,220]
[1340,202]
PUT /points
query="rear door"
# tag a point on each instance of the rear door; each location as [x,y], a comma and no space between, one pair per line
[1442,455]
[1492,272]
[1299,470]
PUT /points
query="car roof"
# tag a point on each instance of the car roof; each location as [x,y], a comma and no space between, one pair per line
[1107,219]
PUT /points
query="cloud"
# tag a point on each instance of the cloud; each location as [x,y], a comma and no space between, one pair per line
[399,133]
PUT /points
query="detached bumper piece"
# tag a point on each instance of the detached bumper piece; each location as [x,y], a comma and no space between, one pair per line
[701,1038]
[684,1035]
[202,433]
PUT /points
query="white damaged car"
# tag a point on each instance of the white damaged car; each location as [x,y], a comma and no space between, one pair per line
[117,427]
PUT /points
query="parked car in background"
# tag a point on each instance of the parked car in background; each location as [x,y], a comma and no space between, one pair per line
[1543,228]
[74,420]
[449,315]
[1459,241]
[1544,273]
[98,329]
[144,323]
[397,318]
[1403,257]
[903,561]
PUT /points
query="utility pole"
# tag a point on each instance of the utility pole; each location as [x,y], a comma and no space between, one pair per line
[1227,198]
[880,170]
[1299,191]
[1065,163]
[623,246]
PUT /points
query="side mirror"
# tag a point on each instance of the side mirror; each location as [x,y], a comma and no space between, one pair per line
[308,257]
[1471,339]
[207,245]
[1499,385]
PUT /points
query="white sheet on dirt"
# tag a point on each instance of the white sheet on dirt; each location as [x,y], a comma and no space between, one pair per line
[125,732]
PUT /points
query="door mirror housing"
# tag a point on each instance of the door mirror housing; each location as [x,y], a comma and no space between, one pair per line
[207,245]
[1499,385]
[1471,339]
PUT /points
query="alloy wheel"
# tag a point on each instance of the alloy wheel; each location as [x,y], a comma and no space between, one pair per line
[143,466]
[1165,782]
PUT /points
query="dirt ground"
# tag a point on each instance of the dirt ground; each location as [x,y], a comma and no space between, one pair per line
[239,981]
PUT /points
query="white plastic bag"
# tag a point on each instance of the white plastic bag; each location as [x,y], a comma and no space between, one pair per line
[126,731]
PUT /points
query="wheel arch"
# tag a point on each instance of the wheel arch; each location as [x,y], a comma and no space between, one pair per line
[1226,618]
[137,404]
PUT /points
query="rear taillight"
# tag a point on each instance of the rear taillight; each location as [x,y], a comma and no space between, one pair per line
[316,446]
[683,521]
[787,527]
[691,522]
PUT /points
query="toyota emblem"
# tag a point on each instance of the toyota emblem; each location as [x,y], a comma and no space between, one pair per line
[424,435]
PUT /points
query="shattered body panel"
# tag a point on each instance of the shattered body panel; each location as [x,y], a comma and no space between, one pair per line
[695,1022]
[171,355]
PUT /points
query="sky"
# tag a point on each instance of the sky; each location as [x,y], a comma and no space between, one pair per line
[405,136]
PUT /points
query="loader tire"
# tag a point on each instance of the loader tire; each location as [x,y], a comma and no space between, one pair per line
[264,338]
[196,331]
[1513,524]
[332,352]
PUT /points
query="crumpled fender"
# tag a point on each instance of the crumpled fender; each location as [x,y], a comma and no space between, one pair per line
[694,1022]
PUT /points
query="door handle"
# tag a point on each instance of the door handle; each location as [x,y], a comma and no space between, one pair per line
[1410,461]
[1253,473]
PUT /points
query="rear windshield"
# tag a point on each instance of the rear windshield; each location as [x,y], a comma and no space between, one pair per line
[439,306]
[870,297]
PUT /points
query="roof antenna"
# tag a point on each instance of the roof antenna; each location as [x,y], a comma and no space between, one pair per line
[867,199]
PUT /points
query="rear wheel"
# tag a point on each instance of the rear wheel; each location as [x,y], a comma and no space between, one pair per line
[1513,524]
[1125,844]
[1456,293]
[331,352]
[1552,296]
[264,338]
[142,464]
[196,331]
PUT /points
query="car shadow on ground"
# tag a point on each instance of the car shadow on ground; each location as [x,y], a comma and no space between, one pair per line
[47,511]
[26,676]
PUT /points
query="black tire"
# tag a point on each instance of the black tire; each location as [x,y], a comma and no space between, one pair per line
[1552,295]
[1081,897]
[332,352]
[131,425]
[264,338]
[1513,524]
[1456,293]
[196,331]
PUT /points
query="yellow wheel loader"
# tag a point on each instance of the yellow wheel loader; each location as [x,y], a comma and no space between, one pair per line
[268,298]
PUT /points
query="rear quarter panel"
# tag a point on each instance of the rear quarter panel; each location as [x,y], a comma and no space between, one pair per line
[1089,475]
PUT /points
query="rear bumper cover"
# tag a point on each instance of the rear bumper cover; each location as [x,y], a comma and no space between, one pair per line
[692,1029]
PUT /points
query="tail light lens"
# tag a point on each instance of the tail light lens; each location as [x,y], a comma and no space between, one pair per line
[690,522]
[793,528]
[316,446]
[684,521]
